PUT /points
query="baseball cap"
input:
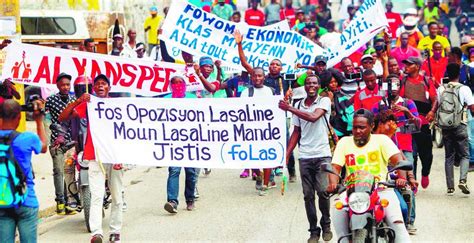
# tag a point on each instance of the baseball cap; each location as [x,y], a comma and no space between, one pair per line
[103,77]
[140,46]
[412,60]
[63,75]
[367,56]
[153,9]
[321,58]
[221,1]
[118,36]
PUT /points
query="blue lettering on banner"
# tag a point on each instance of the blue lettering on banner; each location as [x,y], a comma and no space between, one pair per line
[182,39]
[231,152]
[211,20]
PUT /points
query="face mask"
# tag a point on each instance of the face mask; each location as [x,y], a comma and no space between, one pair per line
[437,55]
[178,90]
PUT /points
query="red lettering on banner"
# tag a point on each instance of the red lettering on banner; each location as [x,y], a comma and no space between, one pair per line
[79,65]
[146,74]
[113,73]
[168,71]
[131,74]
[157,79]
[57,67]
[95,71]
[43,71]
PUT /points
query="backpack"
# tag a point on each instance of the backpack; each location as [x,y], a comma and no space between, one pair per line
[12,179]
[450,111]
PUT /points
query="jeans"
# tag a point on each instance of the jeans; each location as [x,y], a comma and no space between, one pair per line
[313,179]
[470,132]
[408,210]
[392,214]
[62,174]
[423,146]
[173,184]
[25,218]
[456,145]
[97,187]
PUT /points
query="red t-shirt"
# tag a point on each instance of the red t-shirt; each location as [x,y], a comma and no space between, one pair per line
[394,21]
[289,14]
[254,17]
[89,151]
[366,98]
[431,92]
[438,67]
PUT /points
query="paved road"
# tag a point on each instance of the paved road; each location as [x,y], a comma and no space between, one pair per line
[230,210]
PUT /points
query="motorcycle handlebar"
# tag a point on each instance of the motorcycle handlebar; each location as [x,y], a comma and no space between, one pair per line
[388,184]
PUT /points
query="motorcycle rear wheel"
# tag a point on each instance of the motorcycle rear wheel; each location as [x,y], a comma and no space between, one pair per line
[86,204]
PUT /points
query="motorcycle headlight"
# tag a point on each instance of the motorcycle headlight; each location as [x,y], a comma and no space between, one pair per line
[359,202]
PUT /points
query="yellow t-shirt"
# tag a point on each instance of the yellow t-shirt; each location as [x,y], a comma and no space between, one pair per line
[427,43]
[373,157]
[154,24]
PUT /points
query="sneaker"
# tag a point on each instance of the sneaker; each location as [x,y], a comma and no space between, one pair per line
[171,207]
[425,182]
[244,174]
[411,229]
[114,238]
[72,206]
[263,192]
[450,191]
[313,238]
[98,238]
[463,186]
[327,235]
[259,183]
[190,206]
[278,172]
[271,184]
[70,212]
[196,193]
[207,171]
[292,178]
[60,209]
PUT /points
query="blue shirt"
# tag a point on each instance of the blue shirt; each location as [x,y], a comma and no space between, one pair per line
[236,85]
[23,145]
[463,76]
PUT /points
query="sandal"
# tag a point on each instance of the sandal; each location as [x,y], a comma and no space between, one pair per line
[244,174]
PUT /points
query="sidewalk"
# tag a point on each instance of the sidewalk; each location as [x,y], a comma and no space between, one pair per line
[44,186]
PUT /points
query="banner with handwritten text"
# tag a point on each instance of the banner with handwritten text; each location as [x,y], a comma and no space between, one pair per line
[203,34]
[212,133]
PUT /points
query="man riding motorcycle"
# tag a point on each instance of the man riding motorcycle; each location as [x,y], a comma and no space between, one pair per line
[372,153]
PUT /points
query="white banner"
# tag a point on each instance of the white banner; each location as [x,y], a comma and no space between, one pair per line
[174,50]
[368,21]
[38,65]
[210,133]
[203,34]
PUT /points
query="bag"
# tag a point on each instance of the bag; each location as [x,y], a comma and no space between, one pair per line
[12,179]
[450,111]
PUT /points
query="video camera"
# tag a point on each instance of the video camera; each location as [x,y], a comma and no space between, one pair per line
[357,75]
[29,107]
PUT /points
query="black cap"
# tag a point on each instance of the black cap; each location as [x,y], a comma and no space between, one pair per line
[103,77]
[412,60]
[321,58]
[63,75]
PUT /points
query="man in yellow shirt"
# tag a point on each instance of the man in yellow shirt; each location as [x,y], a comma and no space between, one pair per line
[427,42]
[151,25]
[371,153]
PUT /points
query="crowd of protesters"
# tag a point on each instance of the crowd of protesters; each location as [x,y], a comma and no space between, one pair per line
[395,84]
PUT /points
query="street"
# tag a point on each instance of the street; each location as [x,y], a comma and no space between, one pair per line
[230,209]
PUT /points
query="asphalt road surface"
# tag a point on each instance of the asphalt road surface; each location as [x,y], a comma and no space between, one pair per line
[229,209]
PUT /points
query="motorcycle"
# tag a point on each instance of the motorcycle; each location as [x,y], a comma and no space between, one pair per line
[365,207]
[83,195]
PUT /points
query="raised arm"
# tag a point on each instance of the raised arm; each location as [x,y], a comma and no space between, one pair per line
[243,60]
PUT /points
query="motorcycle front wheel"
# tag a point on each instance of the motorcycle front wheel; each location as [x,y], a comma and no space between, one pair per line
[359,236]
[86,204]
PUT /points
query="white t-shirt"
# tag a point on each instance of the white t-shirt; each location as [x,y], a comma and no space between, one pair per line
[314,142]
[258,92]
